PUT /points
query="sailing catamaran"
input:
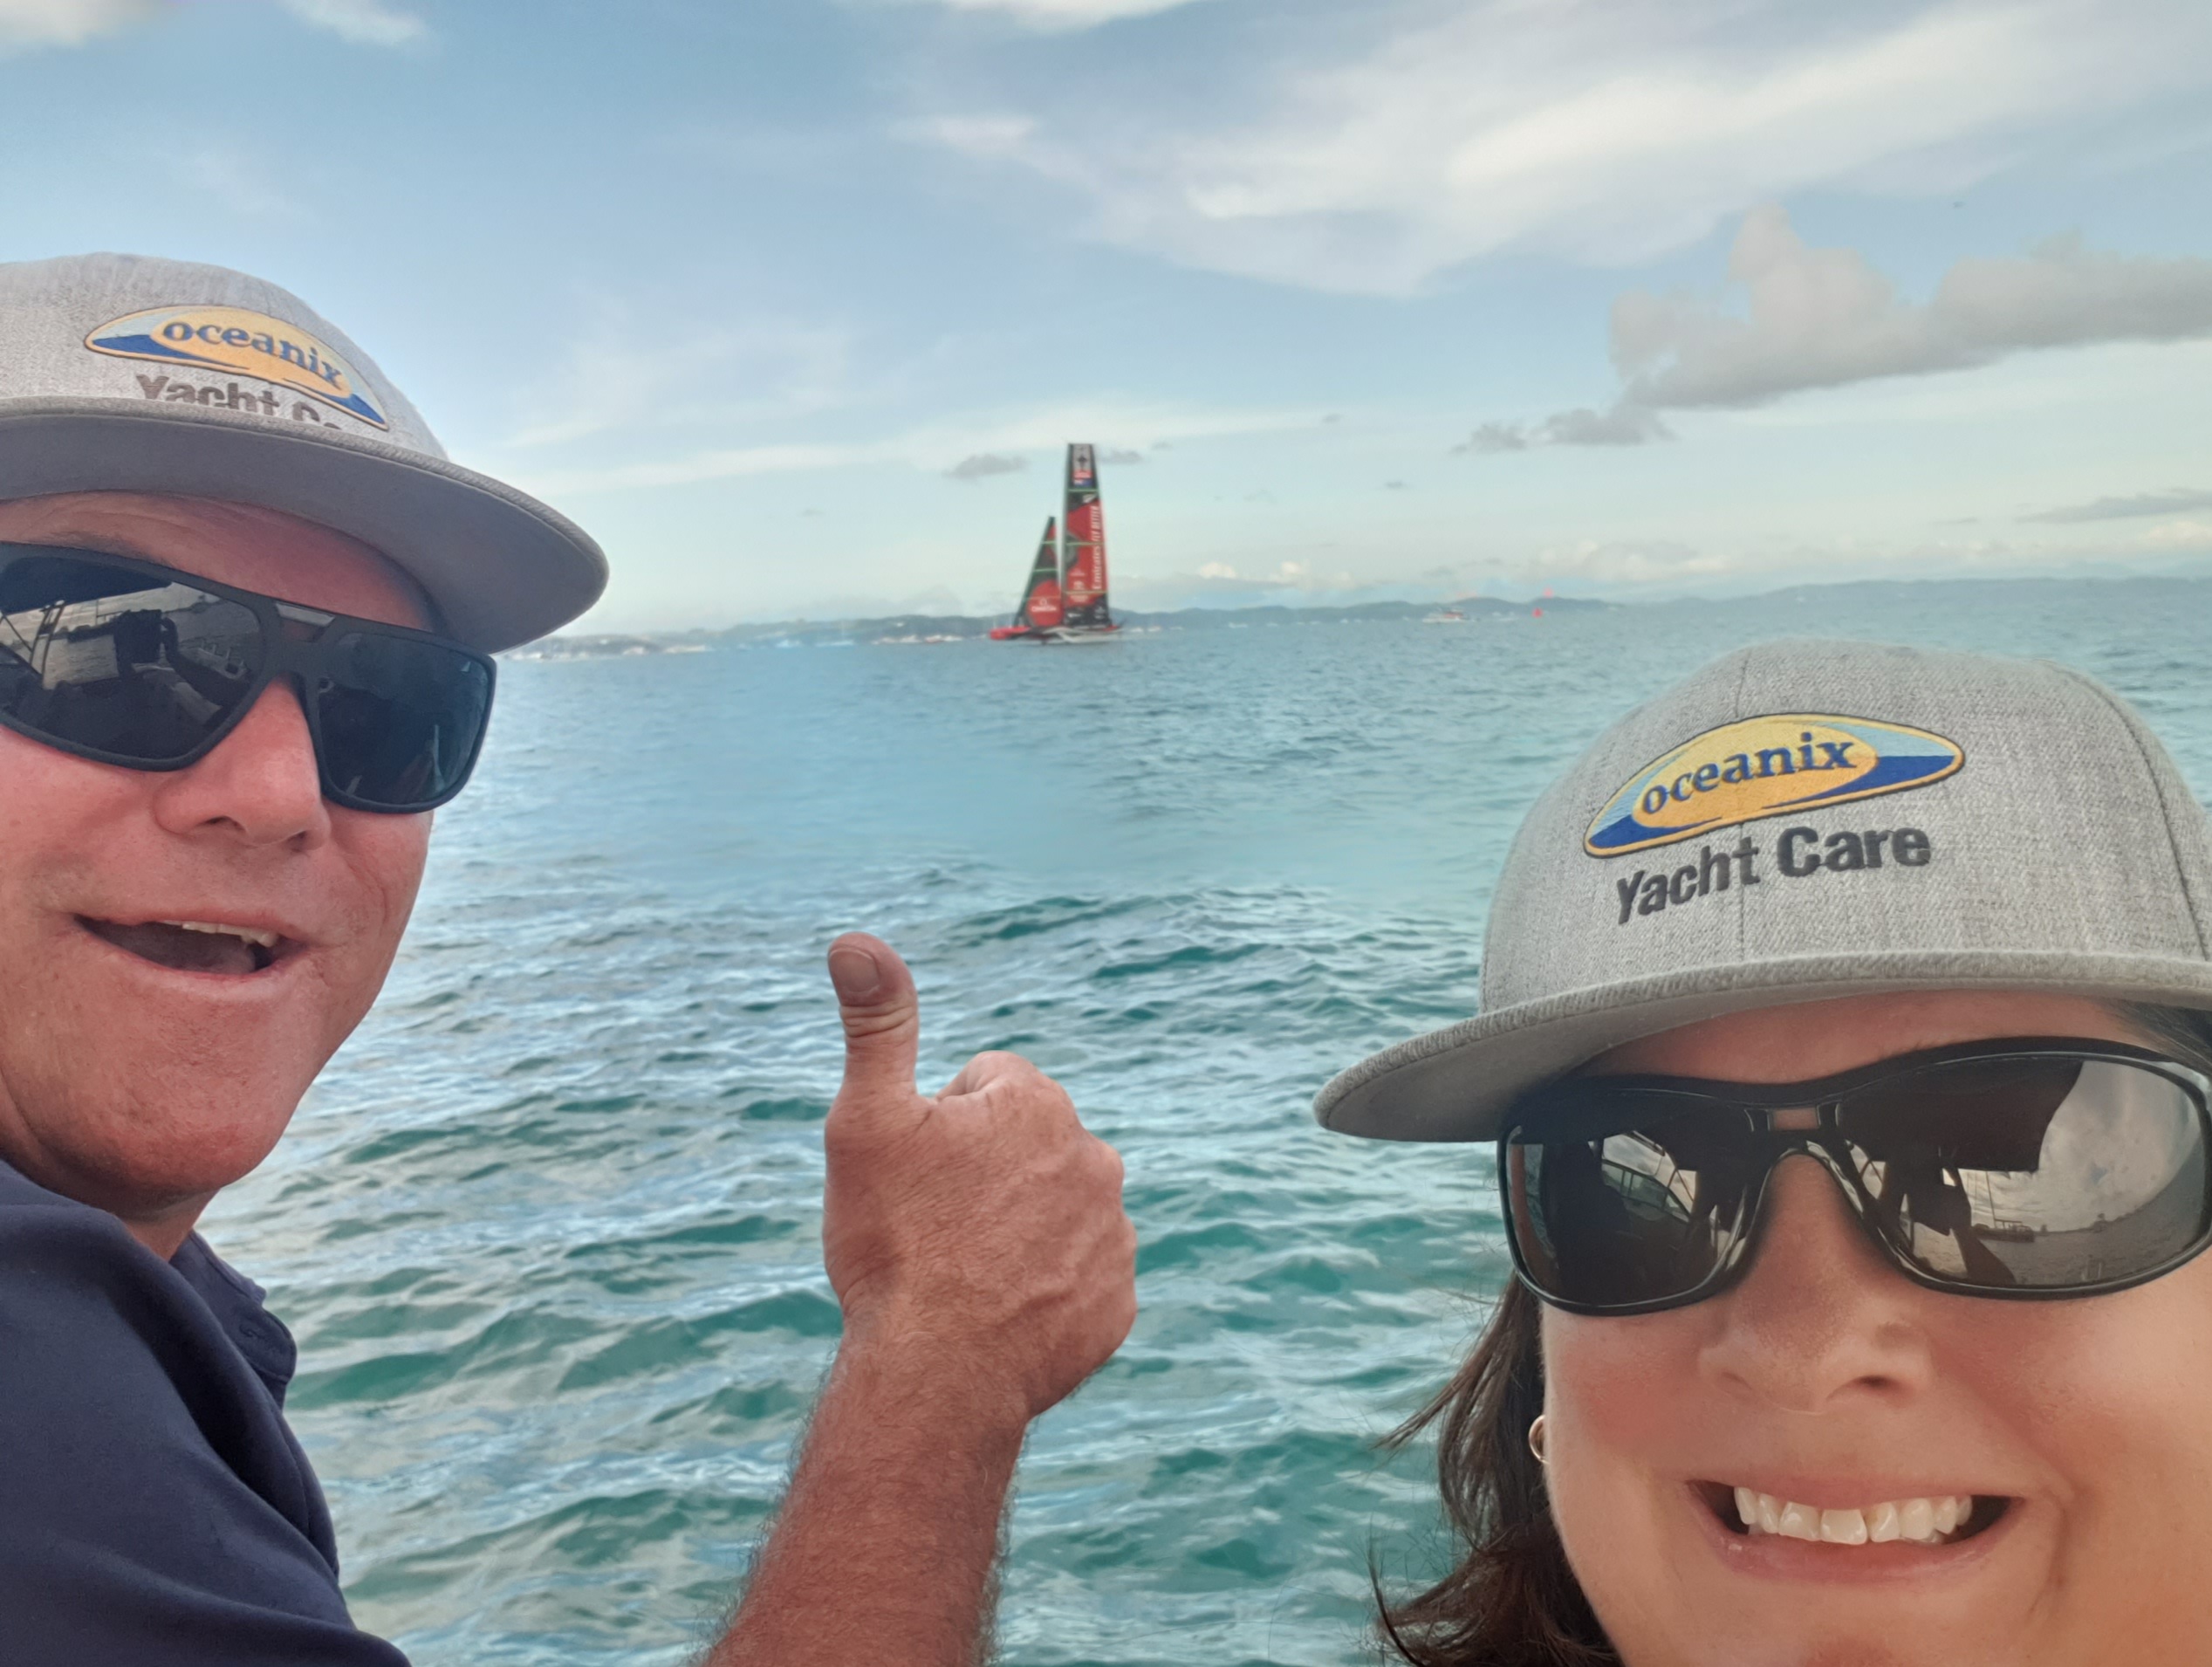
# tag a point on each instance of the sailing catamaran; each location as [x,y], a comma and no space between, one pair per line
[1064,599]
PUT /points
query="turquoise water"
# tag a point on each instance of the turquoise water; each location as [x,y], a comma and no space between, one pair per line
[547,1229]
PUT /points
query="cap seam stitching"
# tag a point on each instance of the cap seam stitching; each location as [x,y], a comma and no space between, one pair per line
[2113,705]
[1743,892]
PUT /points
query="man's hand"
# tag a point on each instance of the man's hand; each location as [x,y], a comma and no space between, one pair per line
[982,1229]
[977,1243]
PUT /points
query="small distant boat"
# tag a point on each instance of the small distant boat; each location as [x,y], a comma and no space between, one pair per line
[1064,599]
[1444,616]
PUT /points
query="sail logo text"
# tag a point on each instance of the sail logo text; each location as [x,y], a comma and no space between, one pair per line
[1765,766]
[244,343]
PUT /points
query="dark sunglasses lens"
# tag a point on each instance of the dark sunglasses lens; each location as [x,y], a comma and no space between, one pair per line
[401,719]
[1627,1198]
[2033,1175]
[107,661]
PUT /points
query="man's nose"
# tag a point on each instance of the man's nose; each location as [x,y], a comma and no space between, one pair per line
[261,785]
[1821,1317]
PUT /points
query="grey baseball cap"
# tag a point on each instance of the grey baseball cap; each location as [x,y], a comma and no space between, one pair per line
[1801,821]
[123,373]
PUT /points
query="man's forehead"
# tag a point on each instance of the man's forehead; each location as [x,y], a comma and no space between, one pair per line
[245,545]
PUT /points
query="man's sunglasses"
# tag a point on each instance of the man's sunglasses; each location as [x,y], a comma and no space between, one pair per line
[130,663]
[2027,1169]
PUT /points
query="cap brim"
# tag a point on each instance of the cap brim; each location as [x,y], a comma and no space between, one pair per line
[502,567]
[1457,1084]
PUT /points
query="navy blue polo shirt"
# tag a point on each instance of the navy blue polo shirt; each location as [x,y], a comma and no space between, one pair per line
[154,1507]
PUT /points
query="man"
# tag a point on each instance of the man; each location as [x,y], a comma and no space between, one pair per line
[245,605]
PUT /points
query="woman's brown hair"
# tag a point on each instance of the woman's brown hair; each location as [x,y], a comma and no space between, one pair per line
[1511,1600]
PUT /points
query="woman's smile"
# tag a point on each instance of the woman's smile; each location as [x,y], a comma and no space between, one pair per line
[1932,1535]
[1923,1519]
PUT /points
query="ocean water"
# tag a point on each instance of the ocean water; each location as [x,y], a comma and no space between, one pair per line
[547,1229]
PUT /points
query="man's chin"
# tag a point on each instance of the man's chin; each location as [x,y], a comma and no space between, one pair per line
[168,1174]
[150,1130]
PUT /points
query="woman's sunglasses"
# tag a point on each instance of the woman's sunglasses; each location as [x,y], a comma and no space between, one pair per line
[130,663]
[2027,1169]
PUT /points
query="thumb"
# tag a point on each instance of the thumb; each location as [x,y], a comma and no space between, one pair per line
[875,998]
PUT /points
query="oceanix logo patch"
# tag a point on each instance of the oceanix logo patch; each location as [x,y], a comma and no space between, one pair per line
[1763,766]
[247,344]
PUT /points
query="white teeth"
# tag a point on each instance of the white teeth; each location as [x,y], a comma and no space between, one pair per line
[1844,1527]
[266,940]
[1927,1520]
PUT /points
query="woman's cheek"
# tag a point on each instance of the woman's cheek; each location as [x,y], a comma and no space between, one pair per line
[2106,1401]
[1620,1395]
[1622,1392]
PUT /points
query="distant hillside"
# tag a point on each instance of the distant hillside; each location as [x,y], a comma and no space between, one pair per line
[1475,608]
[2187,590]
[925,627]
[901,626]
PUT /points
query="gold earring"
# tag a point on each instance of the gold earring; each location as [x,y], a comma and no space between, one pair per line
[1536,1439]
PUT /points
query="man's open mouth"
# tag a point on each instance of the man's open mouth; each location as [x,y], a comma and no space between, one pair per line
[1928,1519]
[193,945]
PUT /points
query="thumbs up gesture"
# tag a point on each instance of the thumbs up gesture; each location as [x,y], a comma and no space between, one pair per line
[980,1229]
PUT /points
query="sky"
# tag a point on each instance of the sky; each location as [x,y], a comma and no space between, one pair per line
[794,304]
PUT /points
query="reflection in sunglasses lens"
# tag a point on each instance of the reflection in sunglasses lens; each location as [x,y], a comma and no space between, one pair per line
[118,662]
[1645,1213]
[399,718]
[2033,1174]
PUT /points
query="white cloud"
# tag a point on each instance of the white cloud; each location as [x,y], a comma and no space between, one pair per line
[935,447]
[1601,130]
[613,377]
[1822,318]
[1623,425]
[2187,536]
[982,464]
[1492,437]
[2180,500]
[68,22]
[1065,14]
[1288,582]
[1657,568]
[986,138]
[366,23]
[1628,563]
[71,22]
[1798,317]
[233,178]
[1664,567]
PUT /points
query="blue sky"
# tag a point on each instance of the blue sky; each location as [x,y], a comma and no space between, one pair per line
[794,302]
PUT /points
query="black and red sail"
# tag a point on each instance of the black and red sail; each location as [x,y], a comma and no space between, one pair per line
[1083,586]
[1041,605]
[1064,598]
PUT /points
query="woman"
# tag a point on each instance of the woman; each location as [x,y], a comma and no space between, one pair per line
[1940,926]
